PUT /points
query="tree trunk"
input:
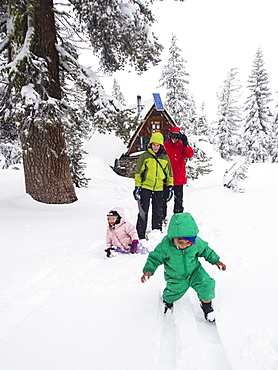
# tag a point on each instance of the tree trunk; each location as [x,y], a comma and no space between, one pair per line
[46,165]
[47,175]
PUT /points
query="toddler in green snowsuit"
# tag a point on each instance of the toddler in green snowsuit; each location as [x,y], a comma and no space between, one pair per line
[179,251]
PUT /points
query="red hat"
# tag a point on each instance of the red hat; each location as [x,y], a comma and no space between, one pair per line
[175,129]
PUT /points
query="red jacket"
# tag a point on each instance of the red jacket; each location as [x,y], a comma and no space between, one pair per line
[177,152]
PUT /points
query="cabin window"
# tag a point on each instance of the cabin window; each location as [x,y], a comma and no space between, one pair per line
[141,143]
[155,126]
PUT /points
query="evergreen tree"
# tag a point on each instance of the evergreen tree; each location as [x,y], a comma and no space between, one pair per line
[201,127]
[230,116]
[193,118]
[199,164]
[235,175]
[116,92]
[256,136]
[182,108]
[274,141]
[174,79]
[42,76]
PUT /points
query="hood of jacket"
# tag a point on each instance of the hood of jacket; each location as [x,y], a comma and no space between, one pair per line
[121,212]
[182,225]
[157,137]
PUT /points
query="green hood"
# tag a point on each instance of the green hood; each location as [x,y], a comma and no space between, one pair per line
[157,137]
[182,225]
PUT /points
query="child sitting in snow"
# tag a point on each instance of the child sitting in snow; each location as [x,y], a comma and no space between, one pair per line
[121,235]
[179,251]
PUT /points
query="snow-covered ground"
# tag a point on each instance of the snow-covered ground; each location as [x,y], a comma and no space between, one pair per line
[64,306]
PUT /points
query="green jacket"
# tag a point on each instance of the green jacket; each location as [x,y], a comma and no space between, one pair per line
[180,263]
[149,174]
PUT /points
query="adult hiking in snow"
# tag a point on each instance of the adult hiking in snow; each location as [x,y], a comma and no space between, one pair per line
[178,150]
[121,235]
[179,252]
[152,170]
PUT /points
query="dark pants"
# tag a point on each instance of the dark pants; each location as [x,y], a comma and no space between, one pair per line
[178,199]
[142,220]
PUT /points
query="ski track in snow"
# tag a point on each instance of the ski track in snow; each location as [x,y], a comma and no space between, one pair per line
[188,341]
[212,348]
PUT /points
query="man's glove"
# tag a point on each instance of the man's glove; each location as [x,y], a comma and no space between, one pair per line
[170,193]
[184,140]
[136,192]
[134,246]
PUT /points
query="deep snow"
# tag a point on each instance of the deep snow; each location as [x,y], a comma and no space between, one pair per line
[64,306]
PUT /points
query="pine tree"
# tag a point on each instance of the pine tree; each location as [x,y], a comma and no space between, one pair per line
[182,108]
[256,136]
[199,164]
[192,117]
[274,141]
[201,127]
[174,79]
[235,175]
[42,77]
[230,116]
[116,92]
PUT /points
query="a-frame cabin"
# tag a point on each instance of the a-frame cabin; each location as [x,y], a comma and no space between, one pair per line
[151,117]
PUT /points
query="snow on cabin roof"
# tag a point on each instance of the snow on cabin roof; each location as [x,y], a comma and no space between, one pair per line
[146,106]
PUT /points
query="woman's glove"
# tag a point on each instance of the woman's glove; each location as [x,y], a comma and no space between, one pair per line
[170,193]
[184,140]
[136,192]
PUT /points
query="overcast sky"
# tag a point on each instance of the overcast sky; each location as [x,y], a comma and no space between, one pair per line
[214,36]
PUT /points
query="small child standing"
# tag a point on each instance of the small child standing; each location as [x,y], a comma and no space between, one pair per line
[121,235]
[179,251]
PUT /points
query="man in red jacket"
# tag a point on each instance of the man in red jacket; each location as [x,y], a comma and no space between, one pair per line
[178,149]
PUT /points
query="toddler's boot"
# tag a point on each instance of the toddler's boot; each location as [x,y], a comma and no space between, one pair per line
[208,311]
[110,252]
[167,306]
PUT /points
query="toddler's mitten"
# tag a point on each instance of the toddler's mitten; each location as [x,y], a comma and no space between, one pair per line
[134,246]
[109,252]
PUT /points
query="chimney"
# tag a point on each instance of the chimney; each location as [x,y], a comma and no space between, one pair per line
[139,104]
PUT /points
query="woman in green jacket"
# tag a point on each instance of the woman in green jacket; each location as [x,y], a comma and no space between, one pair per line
[179,252]
[153,169]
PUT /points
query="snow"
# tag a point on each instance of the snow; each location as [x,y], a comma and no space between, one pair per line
[64,306]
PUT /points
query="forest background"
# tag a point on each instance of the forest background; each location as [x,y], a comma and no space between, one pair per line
[214,37]
[51,104]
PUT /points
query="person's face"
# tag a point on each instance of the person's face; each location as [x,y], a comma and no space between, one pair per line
[112,219]
[181,243]
[174,137]
[155,147]
[174,140]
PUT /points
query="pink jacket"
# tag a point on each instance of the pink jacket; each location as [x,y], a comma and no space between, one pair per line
[123,234]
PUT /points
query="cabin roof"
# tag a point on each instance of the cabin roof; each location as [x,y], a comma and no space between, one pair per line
[143,116]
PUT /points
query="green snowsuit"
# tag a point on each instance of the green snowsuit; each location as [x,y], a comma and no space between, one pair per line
[182,268]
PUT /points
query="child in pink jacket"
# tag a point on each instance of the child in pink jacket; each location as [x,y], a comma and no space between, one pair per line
[121,235]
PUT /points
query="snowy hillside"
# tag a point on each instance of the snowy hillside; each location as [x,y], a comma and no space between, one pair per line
[64,306]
